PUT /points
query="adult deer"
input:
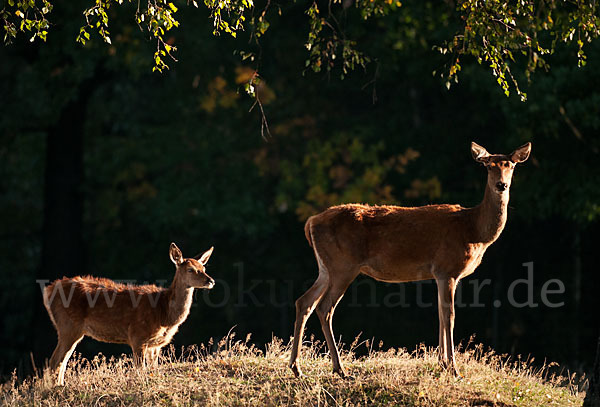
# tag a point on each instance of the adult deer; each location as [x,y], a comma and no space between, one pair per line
[396,244]
[144,317]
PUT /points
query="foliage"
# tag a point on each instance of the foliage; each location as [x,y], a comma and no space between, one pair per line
[233,372]
[496,33]
[25,16]
[340,169]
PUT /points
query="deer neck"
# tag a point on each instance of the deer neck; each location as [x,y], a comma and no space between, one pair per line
[491,215]
[180,300]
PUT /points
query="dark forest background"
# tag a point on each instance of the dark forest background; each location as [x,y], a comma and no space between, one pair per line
[104,163]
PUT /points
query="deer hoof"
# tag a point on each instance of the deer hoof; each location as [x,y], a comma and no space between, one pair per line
[297,372]
[450,367]
[343,374]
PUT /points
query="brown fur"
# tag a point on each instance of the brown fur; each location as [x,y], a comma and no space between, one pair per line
[108,320]
[398,244]
[145,317]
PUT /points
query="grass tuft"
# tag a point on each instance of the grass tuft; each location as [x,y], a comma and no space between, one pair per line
[235,372]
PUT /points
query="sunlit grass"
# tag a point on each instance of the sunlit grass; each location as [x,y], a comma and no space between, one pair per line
[234,372]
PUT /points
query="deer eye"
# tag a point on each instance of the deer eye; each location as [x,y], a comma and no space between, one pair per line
[191,270]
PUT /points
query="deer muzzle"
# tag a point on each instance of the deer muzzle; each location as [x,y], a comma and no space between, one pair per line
[501,186]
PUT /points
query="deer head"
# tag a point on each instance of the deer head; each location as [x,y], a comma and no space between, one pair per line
[191,272]
[500,167]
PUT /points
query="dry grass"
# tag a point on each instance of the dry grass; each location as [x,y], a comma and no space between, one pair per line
[236,373]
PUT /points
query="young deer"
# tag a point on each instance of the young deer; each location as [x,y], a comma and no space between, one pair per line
[396,244]
[144,317]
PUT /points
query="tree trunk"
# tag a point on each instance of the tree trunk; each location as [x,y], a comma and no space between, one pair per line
[592,398]
[577,278]
[62,234]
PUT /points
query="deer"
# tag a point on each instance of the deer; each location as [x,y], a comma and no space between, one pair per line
[145,317]
[397,244]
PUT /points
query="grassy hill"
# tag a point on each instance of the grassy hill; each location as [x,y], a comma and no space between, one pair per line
[236,373]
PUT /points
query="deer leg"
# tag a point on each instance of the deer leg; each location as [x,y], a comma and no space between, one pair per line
[325,311]
[446,290]
[64,349]
[153,354]
[442,334]
[304,307]
[139,355]
[156,356]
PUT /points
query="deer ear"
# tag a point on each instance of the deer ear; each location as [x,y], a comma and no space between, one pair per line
[175,254]
[479,153]
[521,154]
[204,258]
